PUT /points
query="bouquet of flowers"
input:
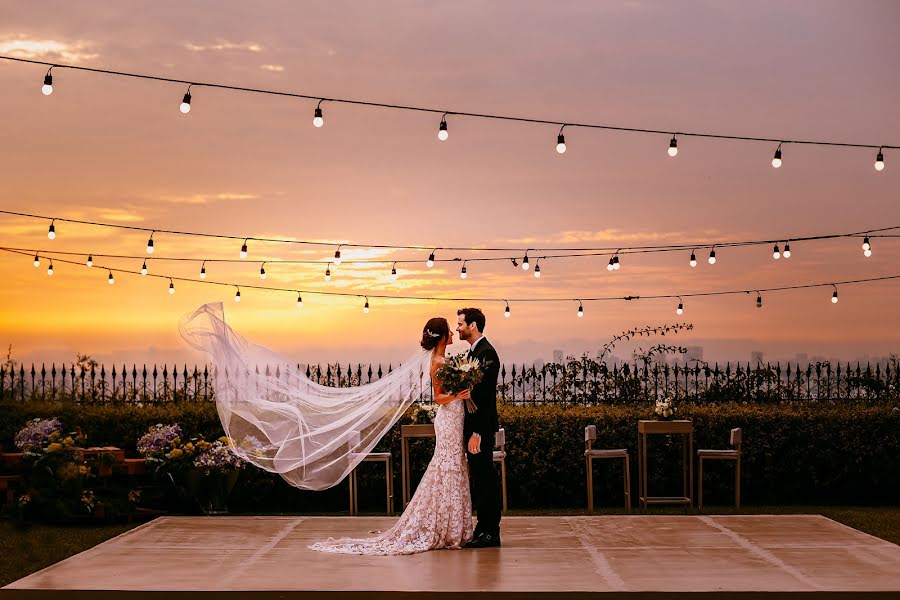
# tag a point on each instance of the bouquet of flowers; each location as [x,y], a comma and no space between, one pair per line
[218,458]
[40,437]
[665,407]
[460,372]
[159,440]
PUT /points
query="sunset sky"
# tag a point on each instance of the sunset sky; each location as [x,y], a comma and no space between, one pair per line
[118,150]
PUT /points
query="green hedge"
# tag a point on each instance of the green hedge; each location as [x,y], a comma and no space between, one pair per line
[793,453]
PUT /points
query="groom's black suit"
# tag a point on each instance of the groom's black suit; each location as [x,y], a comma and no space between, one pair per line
[484,422]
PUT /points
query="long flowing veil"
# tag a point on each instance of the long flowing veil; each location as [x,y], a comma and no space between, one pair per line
[310,434]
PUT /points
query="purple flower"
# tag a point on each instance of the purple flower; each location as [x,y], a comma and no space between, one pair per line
[218,457]
[36,433]
[158,440]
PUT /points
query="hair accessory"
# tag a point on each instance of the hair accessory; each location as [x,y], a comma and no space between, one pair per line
[432,334]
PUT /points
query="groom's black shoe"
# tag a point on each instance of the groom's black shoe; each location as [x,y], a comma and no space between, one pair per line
[485,540]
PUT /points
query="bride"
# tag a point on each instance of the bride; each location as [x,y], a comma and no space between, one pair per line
[313,436]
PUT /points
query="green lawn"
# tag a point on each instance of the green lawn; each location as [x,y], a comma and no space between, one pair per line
[25,551]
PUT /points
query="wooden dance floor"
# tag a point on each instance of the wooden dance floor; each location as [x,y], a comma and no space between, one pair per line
[574,557]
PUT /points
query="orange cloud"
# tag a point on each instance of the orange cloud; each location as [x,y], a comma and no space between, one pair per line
[70,52]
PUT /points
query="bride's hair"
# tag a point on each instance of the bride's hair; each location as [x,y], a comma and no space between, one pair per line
[435,330]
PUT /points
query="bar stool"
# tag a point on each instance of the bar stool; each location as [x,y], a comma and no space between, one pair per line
[590,454]
[734,453]
[385,457]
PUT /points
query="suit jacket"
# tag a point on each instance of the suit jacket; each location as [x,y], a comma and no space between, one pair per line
[484,420]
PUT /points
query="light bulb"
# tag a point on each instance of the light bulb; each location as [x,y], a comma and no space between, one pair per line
[776,161]
[616,264]
[834,297]
[203,272]
[90,261]
[299,301]
[111,279]
[787,250]
[262,272]
[318,119]
[244,250]
[580,310]
[144,268]
[865,244]
[394,275]
[47,88]
[693,262]
[673,147]
[366,307]
[186,104]
[37,261]
[712,257]
[776,253]
[758,301]
[867,253]
[680,309]
[328,274]
[337,257]
[443,134]
[463,273]
[171,287]
[150,246]
[609,266]
[50,268]
[237,296]
[879,161]
[560,144]
[506,312]
[537,271]
[51,233]
[430,262]
[525,264]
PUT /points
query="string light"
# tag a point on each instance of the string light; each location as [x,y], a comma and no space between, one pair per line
[299,300]
[506,312]
[150,244]
[609,266]
[262,271]
[776,161]
[525,264]
[203,270]
[561,141]
[537,269]
[144,268]
[47,88]
[776,253]
[237,296]
[337,256]
[758,300]
[111,279]
[50,268]
[580,312]
[680,309]
[787,250]
[834,296]
[430,262]
[867,247]
[616,262]
[693,261]
[90,261]
[171,286]
[443,134]
[37,261]
[712,256]
[328,272]
[879,160]
[394,275]
[244,249]
[186,102]
[673,147]
[318,119]
[51,233]
[366,307]
[463,274]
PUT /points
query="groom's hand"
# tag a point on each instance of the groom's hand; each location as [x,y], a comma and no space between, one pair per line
[475,444]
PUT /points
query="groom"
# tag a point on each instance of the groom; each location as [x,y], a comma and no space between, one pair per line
[480,427]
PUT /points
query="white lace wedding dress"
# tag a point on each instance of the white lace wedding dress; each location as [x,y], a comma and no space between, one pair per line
[440,512]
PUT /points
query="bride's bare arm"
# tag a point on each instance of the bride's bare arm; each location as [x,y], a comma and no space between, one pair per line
[441,397]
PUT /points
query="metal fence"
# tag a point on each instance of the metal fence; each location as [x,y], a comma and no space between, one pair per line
[578,382]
